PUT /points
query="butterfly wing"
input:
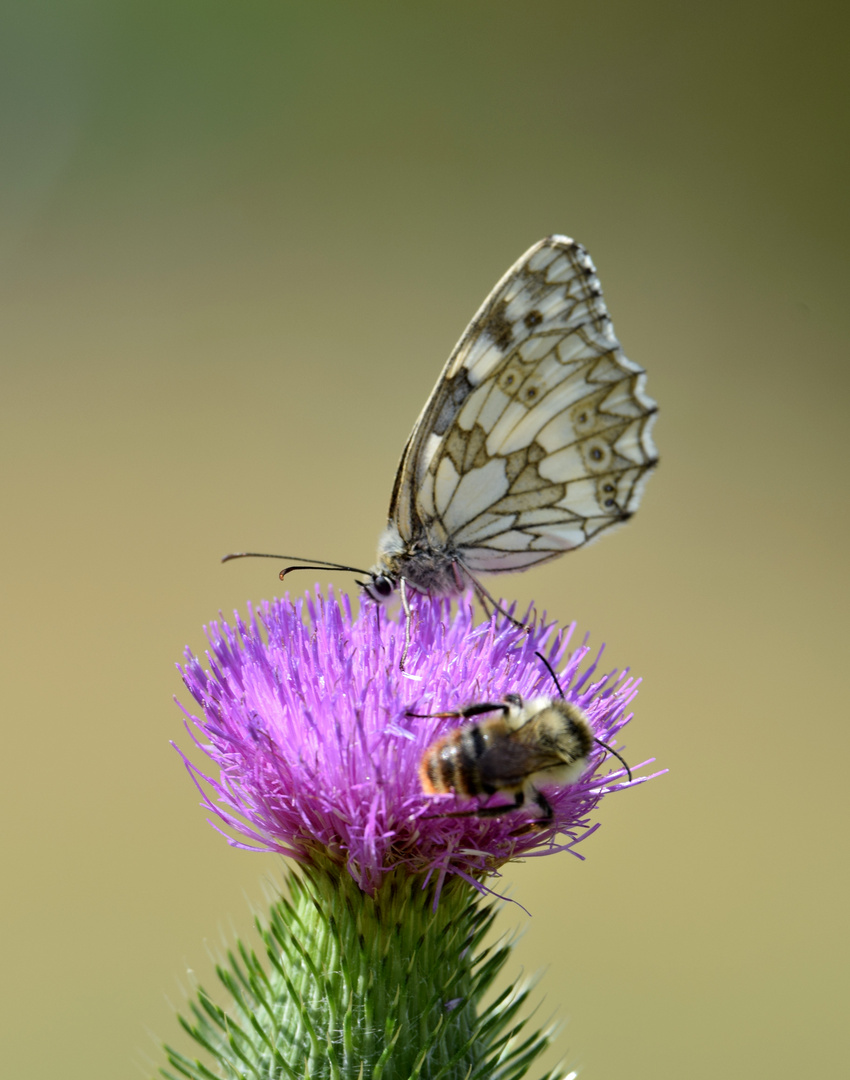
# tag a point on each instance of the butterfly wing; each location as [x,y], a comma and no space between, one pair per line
[537,434]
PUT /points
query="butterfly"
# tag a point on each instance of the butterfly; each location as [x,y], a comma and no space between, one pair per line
[535,439]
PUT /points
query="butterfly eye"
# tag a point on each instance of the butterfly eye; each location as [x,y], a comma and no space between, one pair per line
[380,587]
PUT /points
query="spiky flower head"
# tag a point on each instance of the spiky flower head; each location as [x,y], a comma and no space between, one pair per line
[305,712]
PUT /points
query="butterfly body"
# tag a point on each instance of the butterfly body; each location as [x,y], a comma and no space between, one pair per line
[428,564]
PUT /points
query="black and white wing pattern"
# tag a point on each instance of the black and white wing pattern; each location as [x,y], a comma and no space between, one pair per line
[536,437]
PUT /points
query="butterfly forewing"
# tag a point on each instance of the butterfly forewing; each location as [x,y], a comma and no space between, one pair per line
[537,435]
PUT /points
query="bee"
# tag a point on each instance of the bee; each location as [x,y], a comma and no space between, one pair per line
[522,747]
[535,439]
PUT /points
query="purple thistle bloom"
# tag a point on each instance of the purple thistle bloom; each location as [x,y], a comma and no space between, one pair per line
[306,721]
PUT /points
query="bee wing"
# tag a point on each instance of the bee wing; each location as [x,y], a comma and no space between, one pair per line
[537,434]
[510,761]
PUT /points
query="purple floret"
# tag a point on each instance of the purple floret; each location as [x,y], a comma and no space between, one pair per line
[303,712]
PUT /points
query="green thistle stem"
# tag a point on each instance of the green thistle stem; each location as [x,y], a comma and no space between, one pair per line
[386,988]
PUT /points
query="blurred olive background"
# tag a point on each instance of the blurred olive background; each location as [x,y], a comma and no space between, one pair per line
[237,243]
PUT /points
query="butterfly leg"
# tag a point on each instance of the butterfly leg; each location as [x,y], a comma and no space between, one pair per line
[408,618]
[483,596]
[482,600]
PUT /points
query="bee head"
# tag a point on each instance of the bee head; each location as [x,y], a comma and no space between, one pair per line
[575,713]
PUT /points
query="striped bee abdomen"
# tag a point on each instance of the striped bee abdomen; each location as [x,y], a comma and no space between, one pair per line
[453,763]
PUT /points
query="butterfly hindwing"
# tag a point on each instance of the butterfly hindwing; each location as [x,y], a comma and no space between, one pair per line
[537,435]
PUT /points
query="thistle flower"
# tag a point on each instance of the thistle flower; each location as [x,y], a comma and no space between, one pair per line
[375,967]
[307,721]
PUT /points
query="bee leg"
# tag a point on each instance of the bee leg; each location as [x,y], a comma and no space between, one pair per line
[545,806]
[503,808]
[485,707]
[542,821]
[464,714]
[508,808]
[486,811]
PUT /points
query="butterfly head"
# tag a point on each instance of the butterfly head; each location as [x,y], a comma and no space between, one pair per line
[379,586]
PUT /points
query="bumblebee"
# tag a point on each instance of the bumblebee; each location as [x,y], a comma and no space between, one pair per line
[542,742]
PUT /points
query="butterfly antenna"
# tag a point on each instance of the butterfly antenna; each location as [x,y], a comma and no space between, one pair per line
[320,564]
[288,569]
[604,745]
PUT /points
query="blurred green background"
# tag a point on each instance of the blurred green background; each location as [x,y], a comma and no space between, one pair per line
[237,243]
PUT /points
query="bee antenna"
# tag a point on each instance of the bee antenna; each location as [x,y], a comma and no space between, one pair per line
[551,671]
[604,745]
[621,760]
[321,564]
